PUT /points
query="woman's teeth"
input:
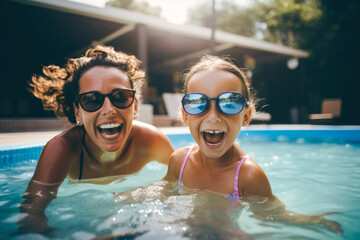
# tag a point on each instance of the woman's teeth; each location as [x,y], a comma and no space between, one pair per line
[110,130]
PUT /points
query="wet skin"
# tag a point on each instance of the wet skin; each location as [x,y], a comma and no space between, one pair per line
[106,154]
[212,164]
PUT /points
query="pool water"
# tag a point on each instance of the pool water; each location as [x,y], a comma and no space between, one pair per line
[310,174]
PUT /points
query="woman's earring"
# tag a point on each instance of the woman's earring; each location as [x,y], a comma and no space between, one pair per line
[78,122]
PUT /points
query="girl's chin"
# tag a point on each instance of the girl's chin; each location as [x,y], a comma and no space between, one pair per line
[211,151]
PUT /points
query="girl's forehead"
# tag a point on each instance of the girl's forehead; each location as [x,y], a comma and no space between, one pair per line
[214,81]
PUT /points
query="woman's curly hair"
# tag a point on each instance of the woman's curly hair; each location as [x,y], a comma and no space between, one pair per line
[58,87]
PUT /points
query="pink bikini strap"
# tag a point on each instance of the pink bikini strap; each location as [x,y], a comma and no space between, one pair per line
[184,162]
[236,181]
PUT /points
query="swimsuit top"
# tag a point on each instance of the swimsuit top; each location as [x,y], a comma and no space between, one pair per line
[235,195]
[82,156]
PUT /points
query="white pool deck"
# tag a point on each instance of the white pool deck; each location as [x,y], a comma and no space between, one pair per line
[15,138]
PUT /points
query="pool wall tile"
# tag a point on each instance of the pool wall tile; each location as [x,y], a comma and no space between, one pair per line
[13,155]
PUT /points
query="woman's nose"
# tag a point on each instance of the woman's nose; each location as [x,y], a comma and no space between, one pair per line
[107,107]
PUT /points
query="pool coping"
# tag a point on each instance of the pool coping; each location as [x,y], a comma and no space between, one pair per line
[13,154]
[16,139]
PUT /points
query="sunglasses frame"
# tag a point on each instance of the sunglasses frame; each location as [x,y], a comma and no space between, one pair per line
[108,95]
[246,103]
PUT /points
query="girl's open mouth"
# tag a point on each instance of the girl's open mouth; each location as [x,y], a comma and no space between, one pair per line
[111,130]
[213,139]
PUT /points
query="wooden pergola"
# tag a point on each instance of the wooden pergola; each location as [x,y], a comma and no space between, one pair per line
[42,32]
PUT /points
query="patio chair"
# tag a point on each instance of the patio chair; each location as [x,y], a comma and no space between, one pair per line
[146,113]
[261,117]
[172,102]
[330,112]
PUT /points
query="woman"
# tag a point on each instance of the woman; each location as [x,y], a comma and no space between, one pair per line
[100,93]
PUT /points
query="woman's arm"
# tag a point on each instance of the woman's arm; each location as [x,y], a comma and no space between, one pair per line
[36,199]
[54,164]
[57,159]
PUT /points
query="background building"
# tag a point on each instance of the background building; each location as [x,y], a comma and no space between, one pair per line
[44,32]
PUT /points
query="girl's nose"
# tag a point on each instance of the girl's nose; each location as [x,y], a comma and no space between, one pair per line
[213,114]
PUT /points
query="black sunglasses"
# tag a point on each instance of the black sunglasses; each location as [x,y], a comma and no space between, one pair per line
[229,103]
[93,101]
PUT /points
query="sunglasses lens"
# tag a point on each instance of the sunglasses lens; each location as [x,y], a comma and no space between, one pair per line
[194,103]
[91,101]
[231,103]
[122,98]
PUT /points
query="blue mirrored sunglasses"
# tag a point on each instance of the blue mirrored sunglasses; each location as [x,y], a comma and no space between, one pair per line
[229,103]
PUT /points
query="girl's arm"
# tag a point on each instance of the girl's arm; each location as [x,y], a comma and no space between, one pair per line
[254,183]
[274,210]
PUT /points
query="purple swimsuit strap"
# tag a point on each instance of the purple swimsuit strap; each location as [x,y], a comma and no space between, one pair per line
[184,162]
[236,180]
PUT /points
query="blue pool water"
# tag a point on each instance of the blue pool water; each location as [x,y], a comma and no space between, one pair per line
[311,170]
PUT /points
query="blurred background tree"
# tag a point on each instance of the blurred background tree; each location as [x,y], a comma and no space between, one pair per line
[138,6]
[326,29]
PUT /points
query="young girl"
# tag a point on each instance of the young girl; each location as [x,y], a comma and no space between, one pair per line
[216,104]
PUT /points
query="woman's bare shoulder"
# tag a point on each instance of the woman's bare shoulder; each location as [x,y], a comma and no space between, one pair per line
[141,128]
[58,157]
[153,142]
[70,138]
[147,135]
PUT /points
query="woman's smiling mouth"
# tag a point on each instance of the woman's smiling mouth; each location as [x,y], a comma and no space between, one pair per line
[110,130]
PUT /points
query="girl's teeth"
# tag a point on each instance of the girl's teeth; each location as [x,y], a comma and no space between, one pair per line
[213,137]
[213,132]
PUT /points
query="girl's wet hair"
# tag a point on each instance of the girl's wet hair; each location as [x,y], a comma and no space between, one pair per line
[208,63]
[58,87]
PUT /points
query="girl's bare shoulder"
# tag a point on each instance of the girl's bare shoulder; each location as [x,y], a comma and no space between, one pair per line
[176,160]
[253,179]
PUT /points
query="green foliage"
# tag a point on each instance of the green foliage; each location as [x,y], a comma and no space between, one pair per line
[229,17]
[290,22]
[286,22]
[326,29]
[137,6]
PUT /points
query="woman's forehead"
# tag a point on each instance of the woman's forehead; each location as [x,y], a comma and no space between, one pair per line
[103,78]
